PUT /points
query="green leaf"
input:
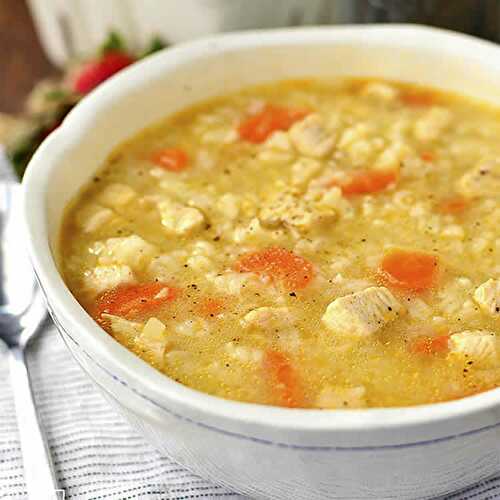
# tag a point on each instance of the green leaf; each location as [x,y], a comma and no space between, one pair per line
[56,95]
[114,43]
[21,149]
[155,45]
[20,153]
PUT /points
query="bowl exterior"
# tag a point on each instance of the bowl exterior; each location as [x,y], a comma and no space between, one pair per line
[263,468]
[263,451]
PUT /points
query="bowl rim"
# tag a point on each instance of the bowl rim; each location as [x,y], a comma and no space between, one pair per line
[158,387]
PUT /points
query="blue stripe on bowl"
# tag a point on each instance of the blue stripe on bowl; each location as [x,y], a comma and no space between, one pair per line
[259,440]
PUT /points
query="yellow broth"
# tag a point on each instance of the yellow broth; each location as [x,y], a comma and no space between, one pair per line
[192,226]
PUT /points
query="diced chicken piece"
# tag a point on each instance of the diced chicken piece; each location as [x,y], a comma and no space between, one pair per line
[341,397]
[123,327]
[488,297]
[200,263]
[131,250]
[266,318]
[360,143]
[284,208]
[279,141]
[229,206]
[380,91]
[186,195]
[196,327]
[362,313]
[275,209]
[93,217]
[103,278]
[287,208]
[116,195]
[274,320]
[153,339]
[329,200]
[304,170]
[180,220]
[482,180]
[254,232]
[479,346]
[354,134]
[311,138]
[391,158]
[164,267]
[243,354]
[432,124]
[154,329]
[202,247]
[361,152]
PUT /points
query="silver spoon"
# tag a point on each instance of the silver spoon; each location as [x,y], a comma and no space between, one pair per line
[22,312]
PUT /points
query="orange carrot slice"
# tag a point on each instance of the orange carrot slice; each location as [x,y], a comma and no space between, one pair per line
[132,301]
[278,263]
[454,205]
[412,271]
[257,128]
[283,380]
[427,156]
[172,159]
[431,345]
[366,182]
[418,99]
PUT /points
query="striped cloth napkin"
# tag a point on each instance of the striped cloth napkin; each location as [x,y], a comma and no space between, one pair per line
[96,454]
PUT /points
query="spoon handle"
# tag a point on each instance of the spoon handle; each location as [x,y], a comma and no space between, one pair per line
[38,470]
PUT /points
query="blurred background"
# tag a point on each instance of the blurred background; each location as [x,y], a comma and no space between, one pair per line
[56,51]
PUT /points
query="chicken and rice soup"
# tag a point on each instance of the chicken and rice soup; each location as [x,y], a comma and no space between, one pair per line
[306,244]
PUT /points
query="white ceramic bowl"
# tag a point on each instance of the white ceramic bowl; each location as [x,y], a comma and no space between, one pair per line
[259,450]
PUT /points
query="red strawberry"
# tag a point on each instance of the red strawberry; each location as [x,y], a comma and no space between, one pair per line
[96,72]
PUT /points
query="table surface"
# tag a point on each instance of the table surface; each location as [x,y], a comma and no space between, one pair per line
[23,61]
